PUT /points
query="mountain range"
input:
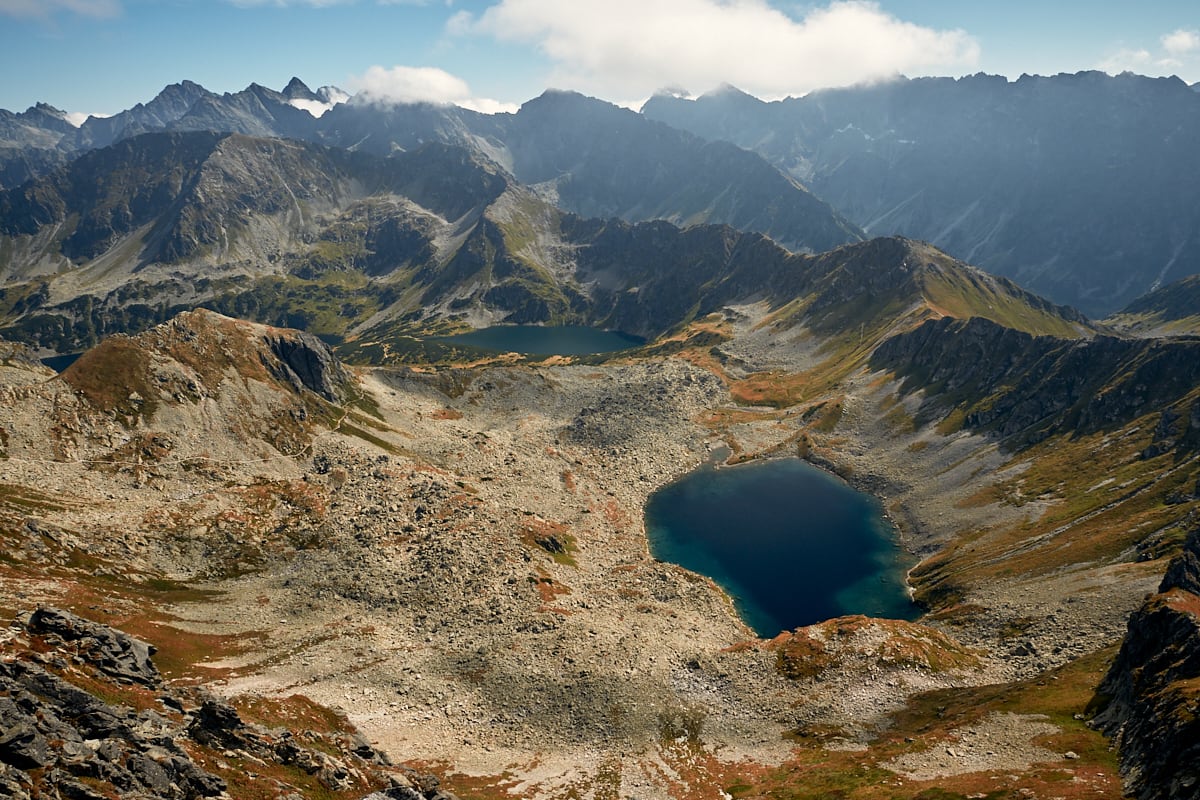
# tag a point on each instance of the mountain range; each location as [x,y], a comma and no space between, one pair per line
[267,462]
[1080,187]
[359,245]
[1076,186]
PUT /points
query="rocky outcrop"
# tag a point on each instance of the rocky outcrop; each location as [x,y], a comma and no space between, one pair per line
[53,734]
[1151,694]
[18,356]
[60,740]
[113,653]
[305,362]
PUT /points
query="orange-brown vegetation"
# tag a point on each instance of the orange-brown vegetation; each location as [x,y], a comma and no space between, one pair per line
[773,388]
[807,652]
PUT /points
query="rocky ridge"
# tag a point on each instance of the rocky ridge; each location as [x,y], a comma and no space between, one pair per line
[1024,388]
[562,141]
[1149,696]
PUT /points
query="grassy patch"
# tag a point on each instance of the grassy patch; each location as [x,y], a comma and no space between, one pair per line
[296,712]
[807,652]
[955,293]
[357,432]
[182,654]
[115,377]
[28,501]
[774,389]
[553,538]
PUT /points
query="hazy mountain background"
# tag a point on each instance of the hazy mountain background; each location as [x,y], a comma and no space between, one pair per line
[1080,187]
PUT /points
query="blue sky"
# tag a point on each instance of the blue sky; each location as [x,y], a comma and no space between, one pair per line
[105,55]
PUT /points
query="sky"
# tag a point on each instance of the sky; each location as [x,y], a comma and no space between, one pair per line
[102,56]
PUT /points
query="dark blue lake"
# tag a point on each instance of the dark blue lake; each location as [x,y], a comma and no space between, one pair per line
[59,363]
[541,340]
[790,543]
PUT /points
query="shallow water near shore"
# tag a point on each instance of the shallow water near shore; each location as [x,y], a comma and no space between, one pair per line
[792,545]
[543,340]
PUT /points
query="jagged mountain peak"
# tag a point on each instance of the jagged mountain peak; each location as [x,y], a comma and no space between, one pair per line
[297,89]
[46,109]
[174,99]
[555,100]
[727,92]
[167,107]
[332,95]
[184,86]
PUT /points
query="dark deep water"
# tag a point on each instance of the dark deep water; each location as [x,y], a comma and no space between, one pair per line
[790,543]
[59,363]
[540,340]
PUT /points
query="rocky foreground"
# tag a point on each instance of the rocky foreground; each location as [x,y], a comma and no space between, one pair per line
[60,740]
[456,562]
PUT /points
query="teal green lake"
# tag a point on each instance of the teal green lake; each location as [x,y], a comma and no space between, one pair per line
[542,340]
[792,545]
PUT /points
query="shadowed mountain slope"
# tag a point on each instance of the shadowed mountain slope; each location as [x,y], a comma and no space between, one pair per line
[1172,309]
[349,244]
[1081,187]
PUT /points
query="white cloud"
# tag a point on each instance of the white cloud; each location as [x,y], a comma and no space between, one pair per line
[314,107]
[1128,59]
[631,47]
[411,85]
[77,118]
[402,84]
[329,96]
[47,8]
[286,3]
[486,105]
[1181,42]
[1179,54]
[321,3]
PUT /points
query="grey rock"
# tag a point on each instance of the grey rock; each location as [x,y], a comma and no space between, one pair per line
[114,653]
[307,363]
[23,746]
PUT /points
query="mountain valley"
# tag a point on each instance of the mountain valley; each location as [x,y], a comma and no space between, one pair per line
[266,465]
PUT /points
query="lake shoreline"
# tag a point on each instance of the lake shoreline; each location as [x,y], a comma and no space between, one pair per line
[845,533]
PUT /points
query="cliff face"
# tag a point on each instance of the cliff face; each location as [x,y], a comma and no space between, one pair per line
[1153,688]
